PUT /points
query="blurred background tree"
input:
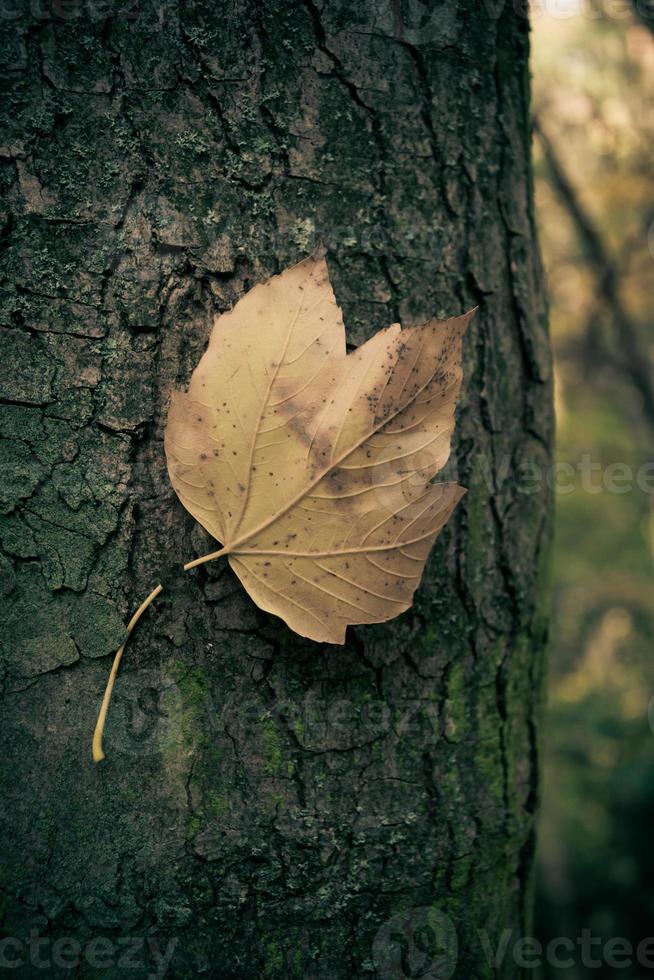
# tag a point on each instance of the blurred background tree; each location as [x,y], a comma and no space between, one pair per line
[593,72]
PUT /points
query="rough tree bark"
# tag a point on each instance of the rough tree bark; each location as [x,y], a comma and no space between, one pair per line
[276,808]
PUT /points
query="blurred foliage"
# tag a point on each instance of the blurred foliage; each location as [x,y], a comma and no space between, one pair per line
[593,87]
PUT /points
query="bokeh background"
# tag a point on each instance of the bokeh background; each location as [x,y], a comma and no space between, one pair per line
[593,88]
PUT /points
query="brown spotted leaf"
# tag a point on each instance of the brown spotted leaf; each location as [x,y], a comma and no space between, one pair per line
[312,467]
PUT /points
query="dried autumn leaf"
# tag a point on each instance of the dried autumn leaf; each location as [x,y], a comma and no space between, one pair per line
[314,467]
[311,466]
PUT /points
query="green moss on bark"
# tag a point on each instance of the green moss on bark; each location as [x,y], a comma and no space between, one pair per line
[267,805]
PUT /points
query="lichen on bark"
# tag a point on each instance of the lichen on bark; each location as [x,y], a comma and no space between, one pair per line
[267,804]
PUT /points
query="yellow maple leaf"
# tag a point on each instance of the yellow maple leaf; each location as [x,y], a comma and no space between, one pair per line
[312,467]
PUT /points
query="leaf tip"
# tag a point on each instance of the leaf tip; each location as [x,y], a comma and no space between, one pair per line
[320,251]
[468,316]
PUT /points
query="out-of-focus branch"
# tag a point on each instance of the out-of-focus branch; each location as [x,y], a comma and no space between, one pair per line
[636,361]
[644,12]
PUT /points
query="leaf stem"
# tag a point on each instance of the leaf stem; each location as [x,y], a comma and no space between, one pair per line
[98,754]
[200,561]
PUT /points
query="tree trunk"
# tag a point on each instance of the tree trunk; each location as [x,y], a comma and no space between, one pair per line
[269,807]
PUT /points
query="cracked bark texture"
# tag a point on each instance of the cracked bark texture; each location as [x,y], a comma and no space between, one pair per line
[270,805]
